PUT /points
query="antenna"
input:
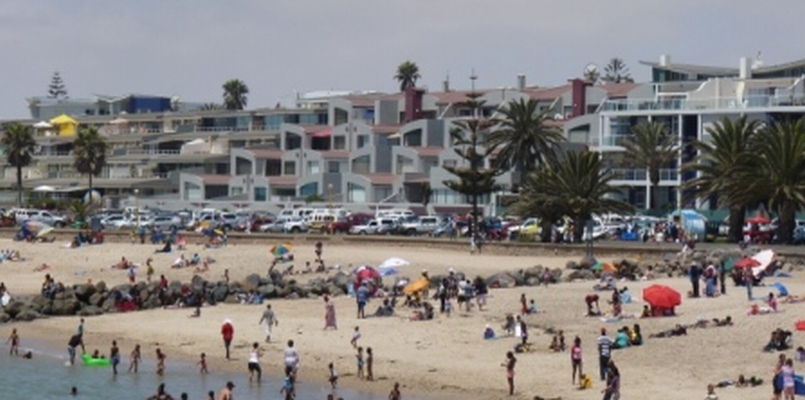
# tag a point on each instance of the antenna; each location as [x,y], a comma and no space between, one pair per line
[473,77]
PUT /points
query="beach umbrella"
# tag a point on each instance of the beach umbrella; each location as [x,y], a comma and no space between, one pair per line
[367,273]
[746,262]
[661,296]
[416,286]
[281,249]
[604,267]
[781,288]
[394,262]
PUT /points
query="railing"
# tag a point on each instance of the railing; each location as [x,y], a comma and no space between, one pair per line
[652,104]
[107,175]
[215,128]
[54,154]
[641,174]
[134,152]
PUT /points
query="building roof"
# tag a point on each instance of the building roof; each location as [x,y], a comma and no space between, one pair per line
[455,96]
[266,154]
[428,151]
[692,68]
[619,89]
[215,179]
[546,93]
[778,67]
[381,178]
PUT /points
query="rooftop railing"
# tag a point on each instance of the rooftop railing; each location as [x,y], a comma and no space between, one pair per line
[641,174]
[671,103]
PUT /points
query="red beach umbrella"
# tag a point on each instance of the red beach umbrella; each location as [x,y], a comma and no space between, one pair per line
[747,262]
[662,296]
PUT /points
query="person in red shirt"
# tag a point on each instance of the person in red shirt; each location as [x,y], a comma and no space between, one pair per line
[227,331]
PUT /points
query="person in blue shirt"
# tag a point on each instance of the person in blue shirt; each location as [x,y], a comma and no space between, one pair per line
[622,339]
[362,297]
[288,385]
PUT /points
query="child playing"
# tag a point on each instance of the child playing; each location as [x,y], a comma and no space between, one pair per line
[134,359]
[532,307]
[333,376]
[14,339]
[202,363]
[523,305]
[554,344]
[585,382]
[369,360]
[562,341]
[288,385]
[575,360]
[355,336]
[448,306]
[359,358]
[509,325]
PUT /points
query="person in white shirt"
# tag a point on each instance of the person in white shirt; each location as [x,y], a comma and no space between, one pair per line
[254,362]
[291,358]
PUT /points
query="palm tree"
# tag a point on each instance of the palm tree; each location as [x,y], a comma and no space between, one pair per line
[407,75]
[576,185]
[718,168]
[427,194]
[235,92]
[89,151]
[524,137]
[617,72]
[653,148]
[776,173]
[211,107]
[18,142]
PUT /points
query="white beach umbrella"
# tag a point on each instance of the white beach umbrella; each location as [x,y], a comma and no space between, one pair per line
[394,262]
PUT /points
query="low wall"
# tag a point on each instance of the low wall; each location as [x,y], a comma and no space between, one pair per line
[608,249]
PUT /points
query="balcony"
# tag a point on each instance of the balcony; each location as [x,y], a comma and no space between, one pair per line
[641,174]
[104,175]
[721,103]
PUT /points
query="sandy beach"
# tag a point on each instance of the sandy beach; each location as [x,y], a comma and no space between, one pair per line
[443,358]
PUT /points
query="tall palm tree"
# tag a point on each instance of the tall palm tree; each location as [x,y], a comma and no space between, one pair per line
[576,185]
[235,92]
[718,168]
[616,71]
[18,142]
[407,75]
[652,147]
[776,173]
[524,137]
[89,151]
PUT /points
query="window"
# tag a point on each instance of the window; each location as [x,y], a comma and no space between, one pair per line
[260,194]
[363,140]
[449,163]
[339,143]
[313,167]
[290,168]
[333,167]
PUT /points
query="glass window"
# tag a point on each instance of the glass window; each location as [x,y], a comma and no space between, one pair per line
[290,168]
[273,122]
[449,163]
[333,167]
[260,194]
[313,167]
[339,143]
[363,140]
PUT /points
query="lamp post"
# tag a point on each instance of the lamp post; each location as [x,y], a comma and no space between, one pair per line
[329,195]
[137,205]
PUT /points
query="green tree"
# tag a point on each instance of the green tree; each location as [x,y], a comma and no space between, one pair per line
[56,89]
[776,173]
[235,94]
[718,168]
[407,75]
[89,152]
[211,107]
[524,136]
[469,142]
[652,147]
[18,143]
[616,71]
[427,194]
[576,185]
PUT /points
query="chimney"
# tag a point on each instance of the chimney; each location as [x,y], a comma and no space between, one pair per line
[745,68]
[665,60]
[579,92]
[520,82]
[445,86]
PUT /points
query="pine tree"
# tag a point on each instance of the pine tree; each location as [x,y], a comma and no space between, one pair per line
[57,90]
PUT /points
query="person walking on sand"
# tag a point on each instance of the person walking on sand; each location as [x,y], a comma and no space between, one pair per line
[329,314]
[575,359]
[134,359]
[271,321]
[114,356]
[604,352]
[613,389]
[509,365]
[14,340]
[254,362]
[227,332]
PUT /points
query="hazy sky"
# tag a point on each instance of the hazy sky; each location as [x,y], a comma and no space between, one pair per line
[190,47]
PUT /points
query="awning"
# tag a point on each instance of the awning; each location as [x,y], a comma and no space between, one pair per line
[42,125]
[323,134]
[119,121]
[63,119]
[44,188]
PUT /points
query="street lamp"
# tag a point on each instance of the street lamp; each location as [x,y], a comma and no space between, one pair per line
[329,195]
[137,205]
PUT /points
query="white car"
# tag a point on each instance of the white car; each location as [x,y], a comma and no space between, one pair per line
[117,221]
[295,225]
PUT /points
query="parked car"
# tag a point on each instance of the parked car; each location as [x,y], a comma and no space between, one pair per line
[420,226]
[369,227]
[346,224]
[116,221]
[163,222]
[277,226]
[295,225]
[388,226]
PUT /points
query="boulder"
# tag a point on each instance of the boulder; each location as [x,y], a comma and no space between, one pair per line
[292,296]
[500,280]
[109,305]
[27,314]
[96,299]
[124,288]
[151,302]
[587,262]
[84,292]
[333,290]
[269,291]
[4,317]
[533,272]
[232,299]
[38,302]
[572,265]
[65,307]
[100,287]
[556,275]
[532,281]
[90,311]
[219,293]
[341,280]
[14,308]
[197,284]
[252,282]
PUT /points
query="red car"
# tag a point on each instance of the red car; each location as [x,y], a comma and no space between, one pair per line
[344,225]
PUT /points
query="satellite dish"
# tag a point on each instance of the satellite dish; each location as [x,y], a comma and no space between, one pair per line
[175,101]
[591,73]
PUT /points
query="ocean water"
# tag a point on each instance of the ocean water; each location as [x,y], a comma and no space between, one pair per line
[46,377]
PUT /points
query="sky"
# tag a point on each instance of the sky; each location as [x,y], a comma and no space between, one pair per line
[188,48]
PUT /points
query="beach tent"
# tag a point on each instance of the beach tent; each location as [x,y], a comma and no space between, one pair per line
[781,288]
[746,262]
[661,296]
[66,125]
[394,262]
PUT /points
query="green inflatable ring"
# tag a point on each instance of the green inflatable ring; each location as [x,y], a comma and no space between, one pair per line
[95,362]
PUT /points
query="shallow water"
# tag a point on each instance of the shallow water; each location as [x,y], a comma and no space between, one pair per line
[46,377]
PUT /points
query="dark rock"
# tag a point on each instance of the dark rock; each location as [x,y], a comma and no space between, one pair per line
[39,302]
[90,311]
[572,265]
[4,317]
[587,262]
[269,291]
[109,305]
[532,282]
[500,280]
[292,296]
[96,299]
[533,272]
[232,299]
[219,293]
[100,287]
[333,290]
[124,288]
[341,280]
[27,314]
[65,307]
[84,292]
[14,308]
[151,302]
[252,282]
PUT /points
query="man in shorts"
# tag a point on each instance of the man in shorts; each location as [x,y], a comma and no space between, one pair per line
[74,342]
[271,321]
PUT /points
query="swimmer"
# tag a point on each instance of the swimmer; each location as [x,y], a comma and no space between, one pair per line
[14,340]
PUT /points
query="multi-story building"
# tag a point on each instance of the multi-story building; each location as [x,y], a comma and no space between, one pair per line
[688,99]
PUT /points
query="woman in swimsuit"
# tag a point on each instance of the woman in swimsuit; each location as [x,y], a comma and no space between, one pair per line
[160,362]
[509,364]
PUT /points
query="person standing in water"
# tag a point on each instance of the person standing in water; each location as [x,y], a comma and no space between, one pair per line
[395,392]
[14,340]
[160,362]
[226,392]
[74,342]
[254,362]
[271,321]
[134,359]
[80,333]
[114,356]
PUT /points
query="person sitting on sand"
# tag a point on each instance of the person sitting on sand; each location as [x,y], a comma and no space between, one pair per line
[646,312]
[593,309]
[772,302]
[635,337]
[711,393]
[489,333]
[180,262]
[532,307]
[585,382]
[622,339]
[195,260]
